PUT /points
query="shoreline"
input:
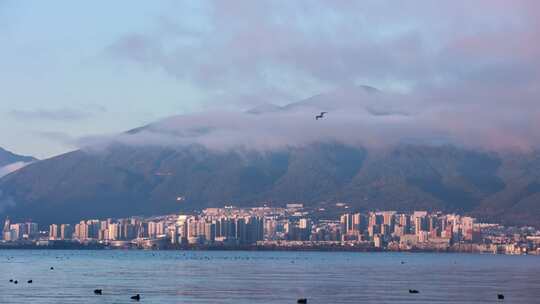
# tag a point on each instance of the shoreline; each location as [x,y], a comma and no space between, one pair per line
[100,247]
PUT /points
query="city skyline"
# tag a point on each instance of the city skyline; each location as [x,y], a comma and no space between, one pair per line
[286,228]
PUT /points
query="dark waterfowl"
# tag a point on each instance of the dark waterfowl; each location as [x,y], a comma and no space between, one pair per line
[136,297]
[98,291]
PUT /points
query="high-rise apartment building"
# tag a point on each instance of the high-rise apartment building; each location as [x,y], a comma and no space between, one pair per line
[66,231]
[54,232]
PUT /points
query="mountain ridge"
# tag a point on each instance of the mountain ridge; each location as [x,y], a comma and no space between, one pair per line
[7,157]
[125,180]
[10,162]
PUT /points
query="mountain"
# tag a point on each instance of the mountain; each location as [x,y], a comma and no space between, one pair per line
[279,155]
[10,162]
[126,180]
[346,96]
[7,158]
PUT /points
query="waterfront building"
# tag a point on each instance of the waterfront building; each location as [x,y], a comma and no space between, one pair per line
[373,230]
[174,234]
[66,232]
[399,230]
[160,228]
[378,241]
[54,232]
[347,222]
[210,231]
[389,219]
[113,232]
[6,231]
[15,232]
[152,229]
[270,228]
[240,228]
[405,222]
[420,224]
[375,219]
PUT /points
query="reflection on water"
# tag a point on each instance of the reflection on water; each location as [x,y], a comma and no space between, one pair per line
[265,277]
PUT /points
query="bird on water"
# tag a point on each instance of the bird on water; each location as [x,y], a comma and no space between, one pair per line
[136,297]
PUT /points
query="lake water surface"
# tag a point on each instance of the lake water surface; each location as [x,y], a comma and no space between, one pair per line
[265,277]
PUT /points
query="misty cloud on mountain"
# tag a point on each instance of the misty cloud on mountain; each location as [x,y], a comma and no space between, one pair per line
[5,170]
[358,116]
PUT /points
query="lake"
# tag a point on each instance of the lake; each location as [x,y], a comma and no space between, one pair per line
[265,277]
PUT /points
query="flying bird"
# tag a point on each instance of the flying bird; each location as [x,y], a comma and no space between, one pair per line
[320,116]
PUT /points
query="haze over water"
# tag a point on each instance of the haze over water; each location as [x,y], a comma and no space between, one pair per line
[265,277]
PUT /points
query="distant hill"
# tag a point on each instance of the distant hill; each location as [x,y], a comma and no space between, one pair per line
[126,180]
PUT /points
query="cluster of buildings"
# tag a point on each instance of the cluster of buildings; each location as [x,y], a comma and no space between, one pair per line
[292,227]
[402,231]
[19,231]
[174,229]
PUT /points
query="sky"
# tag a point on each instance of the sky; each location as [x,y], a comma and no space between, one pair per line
[73,72]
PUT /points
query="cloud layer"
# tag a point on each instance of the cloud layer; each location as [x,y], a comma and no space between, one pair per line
[271,50]
[62,114]
[356,116]
[460,73]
